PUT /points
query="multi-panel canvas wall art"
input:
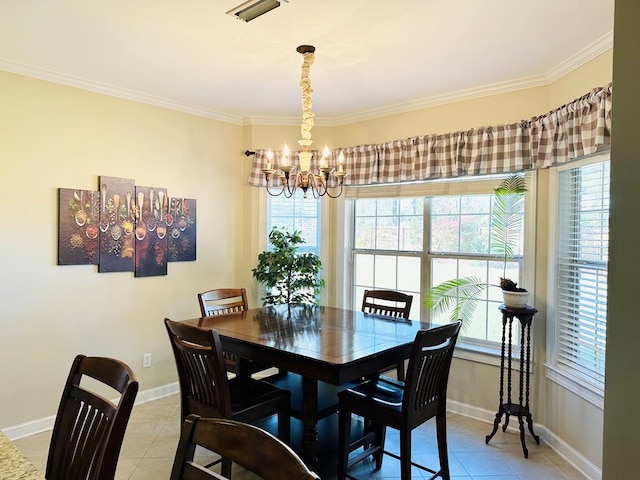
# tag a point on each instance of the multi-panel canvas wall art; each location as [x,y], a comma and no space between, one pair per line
[122,227]
[116,224]
[151,232]
[182,237]
[78,217]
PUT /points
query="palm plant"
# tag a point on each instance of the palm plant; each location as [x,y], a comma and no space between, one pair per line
[288,276]
[459,296]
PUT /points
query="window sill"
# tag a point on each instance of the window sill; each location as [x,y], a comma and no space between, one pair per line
[478,354]
[591,394]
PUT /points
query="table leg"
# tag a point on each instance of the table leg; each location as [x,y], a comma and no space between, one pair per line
[524,446]
[310,417]
[530,425]
[496,423]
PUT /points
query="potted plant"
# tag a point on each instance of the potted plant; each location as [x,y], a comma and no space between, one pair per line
[459,296]
[289,277]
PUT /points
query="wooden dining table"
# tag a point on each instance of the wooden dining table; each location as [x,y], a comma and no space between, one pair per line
[325,346]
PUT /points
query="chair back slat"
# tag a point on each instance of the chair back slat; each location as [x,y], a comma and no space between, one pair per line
[387,302]
[204,385]
[428,371]
[222,301]
[89,429]
[246,445]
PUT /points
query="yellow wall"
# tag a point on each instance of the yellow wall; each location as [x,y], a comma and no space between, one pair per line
[54,136]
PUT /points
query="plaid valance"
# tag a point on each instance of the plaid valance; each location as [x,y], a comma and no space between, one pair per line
[572,130]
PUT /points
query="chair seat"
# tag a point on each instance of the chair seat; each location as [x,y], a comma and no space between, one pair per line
[246,392]
[384,391]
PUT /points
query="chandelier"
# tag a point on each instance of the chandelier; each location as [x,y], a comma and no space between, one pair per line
[291,177]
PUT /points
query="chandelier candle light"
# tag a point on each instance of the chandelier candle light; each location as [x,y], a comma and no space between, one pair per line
[292,177]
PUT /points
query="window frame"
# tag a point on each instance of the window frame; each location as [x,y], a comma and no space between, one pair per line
[561,376]
[486,352]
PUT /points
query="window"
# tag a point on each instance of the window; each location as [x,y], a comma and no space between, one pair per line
[296,213]
[580,312]
[388,247]
[460,246]
[432,233]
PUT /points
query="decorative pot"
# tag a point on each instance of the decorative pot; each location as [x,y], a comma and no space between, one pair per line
[515,299]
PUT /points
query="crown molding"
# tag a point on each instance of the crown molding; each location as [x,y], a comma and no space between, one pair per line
[580,58]
[598,47]
[96,87]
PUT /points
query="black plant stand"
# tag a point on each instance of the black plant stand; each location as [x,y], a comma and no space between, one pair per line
[508,408]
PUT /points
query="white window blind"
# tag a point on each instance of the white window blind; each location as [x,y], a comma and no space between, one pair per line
[581,280]
[296,214]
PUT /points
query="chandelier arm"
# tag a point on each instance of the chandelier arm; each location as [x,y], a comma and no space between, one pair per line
[275,194]
[334,196]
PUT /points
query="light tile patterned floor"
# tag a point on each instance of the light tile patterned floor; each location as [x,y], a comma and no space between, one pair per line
[152,435]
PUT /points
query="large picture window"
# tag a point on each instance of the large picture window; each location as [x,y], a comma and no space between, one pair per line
[410,243]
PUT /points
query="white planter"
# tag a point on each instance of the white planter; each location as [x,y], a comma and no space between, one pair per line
[515,299]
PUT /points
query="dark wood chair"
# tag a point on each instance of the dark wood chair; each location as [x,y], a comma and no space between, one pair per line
[404,406]
[206,390]
[223,301]
[246,445]
[88,430]
[392,304]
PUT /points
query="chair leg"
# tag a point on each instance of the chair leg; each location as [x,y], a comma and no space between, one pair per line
[284,426]
[405,453]
[226,467]
[380,432]
[443,454]
[400,371]
[344,429]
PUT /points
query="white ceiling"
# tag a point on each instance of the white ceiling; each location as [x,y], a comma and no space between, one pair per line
[373,57]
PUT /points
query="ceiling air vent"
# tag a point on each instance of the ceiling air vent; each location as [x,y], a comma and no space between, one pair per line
[253,9]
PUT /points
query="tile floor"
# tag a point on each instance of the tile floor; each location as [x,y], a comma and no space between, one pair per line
[152,435]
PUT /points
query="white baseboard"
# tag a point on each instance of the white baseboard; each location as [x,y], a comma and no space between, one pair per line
[43,424]
[568,453]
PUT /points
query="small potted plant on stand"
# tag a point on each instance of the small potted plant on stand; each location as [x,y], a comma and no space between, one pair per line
[459,296]
[289,277]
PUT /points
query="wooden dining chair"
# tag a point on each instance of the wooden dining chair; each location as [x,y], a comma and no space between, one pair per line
[89,428]
[206,390]
[248,446]
[391,304]
[224,301]
[403,406]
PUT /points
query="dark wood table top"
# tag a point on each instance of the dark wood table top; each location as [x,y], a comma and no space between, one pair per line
[326,343]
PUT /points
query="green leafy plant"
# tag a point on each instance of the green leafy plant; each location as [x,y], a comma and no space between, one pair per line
[288,276]
[459,296]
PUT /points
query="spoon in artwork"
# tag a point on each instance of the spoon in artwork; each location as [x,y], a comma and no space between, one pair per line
[104,221]
[91,230]
[151,219]
[128,205]
[141,230]
[116,229]
[168,218]
[161,201]
[81,215]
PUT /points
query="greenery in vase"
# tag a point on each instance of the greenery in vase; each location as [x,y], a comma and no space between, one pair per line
[288,276]
[459,296]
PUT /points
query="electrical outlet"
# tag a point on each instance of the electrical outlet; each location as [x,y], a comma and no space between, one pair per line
[146,360]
